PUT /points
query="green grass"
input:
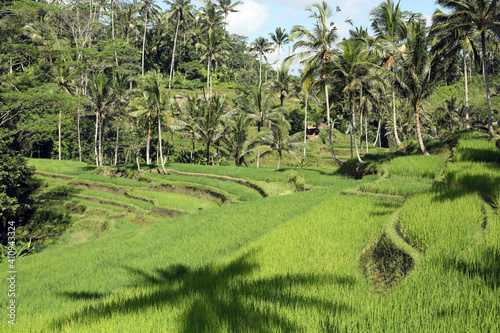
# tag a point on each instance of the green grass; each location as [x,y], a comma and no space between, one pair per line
[477,150]
[417,166]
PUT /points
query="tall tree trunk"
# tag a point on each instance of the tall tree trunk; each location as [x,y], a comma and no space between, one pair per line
[59,133]
[137,161]
[278,65]
[96,138]
[305,126]
[339,162]
[208,80]
[379,127]
[159,141]
[116,146]
[467,126]
[419,133]
[100,141]
[366,130]
[353,120]
[260,71]
[173,53]
[395,124]
[208,151]
[169,146]
[258,158]
[361,118]
[148,142]
[192,150]
[279,158]
[113,29]
[144,42]
[79,138]
[487,84]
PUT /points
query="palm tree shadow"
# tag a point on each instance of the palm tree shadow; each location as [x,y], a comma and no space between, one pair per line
[220,296]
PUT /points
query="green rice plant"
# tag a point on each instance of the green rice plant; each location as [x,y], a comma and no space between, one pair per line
[417,166]
[481,177]
[476,150]
[61,167]
[396,185]
[444,221]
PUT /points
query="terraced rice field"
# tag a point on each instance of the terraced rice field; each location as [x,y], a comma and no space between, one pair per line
[416,249]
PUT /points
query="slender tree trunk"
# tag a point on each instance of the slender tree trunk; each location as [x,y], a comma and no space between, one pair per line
[208,80]
[350,136]
[113,29]
[100,141]
[144,42]
[353,120]
[208,151]
[361,118]
[79,138]
[258,158]
[126,156]
[192,150]
[487,84]
[96,138]
[279,159]
[169,146]
[161,150]
[260,71]
[395,124]
[379,127]
[278,65]
[339,162]
[366,130]
[173,53]
[59,133]
[419,133]
[467,126]
[116,146]
[148,142]
[137,161]
[305,127]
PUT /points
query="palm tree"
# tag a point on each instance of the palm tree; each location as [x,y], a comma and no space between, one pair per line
[182,10]
[352,66]
[319,43]
[389,26]
[121,94]
[147,8]
[283,82]
[259,106]
[280,38]
[227,6]
[238,143]
[261,46]
[214,51]
[283,141]
[210,17]
[100,100]
[417,82]
[469,16]
[205,127]
[452,40]
[193,110]
[62,80]
[152,103]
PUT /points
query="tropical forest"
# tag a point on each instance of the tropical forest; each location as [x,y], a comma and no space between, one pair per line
[161,173]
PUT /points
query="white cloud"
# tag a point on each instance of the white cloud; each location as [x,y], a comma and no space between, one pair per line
[250,18]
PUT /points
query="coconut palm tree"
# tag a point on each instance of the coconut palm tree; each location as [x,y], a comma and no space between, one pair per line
[469,16]
[238,143]
[283,141]
[153,102]
[259,106]
[100,99]
[279,38]
[319,45]
[227,6]
[388,23]
[417,82]
[352,66]
[205,127]
[261,46]
[193,109]
[283,82]
[180,9]
[121,93]
[62,79]
[214,50]
[148,9]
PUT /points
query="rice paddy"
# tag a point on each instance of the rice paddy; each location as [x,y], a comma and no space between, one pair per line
[313,261]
